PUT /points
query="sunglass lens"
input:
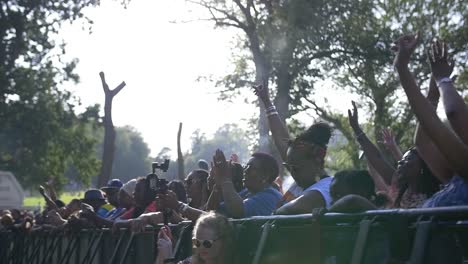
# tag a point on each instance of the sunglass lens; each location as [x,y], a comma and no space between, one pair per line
[207,244]
[196,243]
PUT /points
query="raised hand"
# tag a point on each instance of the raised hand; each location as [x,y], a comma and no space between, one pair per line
[41,190]
[353,118]
[262,92]
[441,66]
[220,168]
[404,46]
[388,139]
[234,158]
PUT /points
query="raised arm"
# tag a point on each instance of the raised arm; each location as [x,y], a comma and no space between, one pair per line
[454,105]
[448,143]
[380,185]
[48,200]
[278,129]
[216,197]
[50,188]
[373,155]
[390,144]
[426,149]
[232,200]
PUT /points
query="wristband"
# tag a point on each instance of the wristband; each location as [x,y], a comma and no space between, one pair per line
[271,109]
[444,80]
[183,207]
[272,113]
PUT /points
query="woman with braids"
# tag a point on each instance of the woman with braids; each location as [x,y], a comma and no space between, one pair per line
[213,242]
[411,183]
[304,157]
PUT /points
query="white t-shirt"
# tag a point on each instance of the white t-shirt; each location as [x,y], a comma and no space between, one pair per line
[323,187]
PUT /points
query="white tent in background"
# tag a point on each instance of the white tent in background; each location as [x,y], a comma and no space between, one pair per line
[11,192]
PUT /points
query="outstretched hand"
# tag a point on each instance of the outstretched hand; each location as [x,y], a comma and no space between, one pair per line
[404,46]
[220,168]
[262,92]
[441,66]
[234,158]
[354,118]
[388,139]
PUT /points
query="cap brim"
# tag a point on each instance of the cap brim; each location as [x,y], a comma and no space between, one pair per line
[110,188]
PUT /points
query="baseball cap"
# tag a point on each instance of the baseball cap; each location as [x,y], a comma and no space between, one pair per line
[94,194]
[115,184]
[129,187]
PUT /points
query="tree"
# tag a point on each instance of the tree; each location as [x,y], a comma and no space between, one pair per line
[230,138]
[40,132]
[109,132]
[131,156]
[344,42]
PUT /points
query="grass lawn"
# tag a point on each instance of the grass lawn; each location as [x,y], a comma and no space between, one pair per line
[39,201]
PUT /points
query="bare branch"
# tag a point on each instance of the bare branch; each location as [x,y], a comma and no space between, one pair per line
[228,16]
[104,84]
[118,88]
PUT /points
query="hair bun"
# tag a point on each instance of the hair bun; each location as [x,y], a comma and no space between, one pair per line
[319,133]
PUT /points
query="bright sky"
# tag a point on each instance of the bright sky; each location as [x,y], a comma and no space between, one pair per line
[160,62]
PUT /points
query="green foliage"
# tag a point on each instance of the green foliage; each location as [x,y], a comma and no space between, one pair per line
[40,135]
[229,138]
[346,43]
[131,158]
[131,155]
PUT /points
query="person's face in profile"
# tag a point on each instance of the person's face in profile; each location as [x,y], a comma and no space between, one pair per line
[194,185]
[409,167]
[254,175]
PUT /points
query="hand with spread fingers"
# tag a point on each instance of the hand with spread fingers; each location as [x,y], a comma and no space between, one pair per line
[404,47]
[441,65]
[221,170]
[388,139]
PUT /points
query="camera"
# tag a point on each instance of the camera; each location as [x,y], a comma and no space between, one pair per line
[156,184]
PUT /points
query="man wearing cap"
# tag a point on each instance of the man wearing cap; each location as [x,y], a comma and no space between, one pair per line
[96,199]
[124,200]
[112,191]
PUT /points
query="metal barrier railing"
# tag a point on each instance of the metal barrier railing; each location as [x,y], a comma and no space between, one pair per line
[370,237]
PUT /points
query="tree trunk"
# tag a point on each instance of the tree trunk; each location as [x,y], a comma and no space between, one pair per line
[109,132]
[180,156]
[262,76]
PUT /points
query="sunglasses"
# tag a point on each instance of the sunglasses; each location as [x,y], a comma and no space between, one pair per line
[290,166]
[205,243]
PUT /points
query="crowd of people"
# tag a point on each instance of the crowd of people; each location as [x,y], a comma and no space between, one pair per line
[433,173]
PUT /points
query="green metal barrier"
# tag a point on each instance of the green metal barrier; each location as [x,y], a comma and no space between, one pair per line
[370,237]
